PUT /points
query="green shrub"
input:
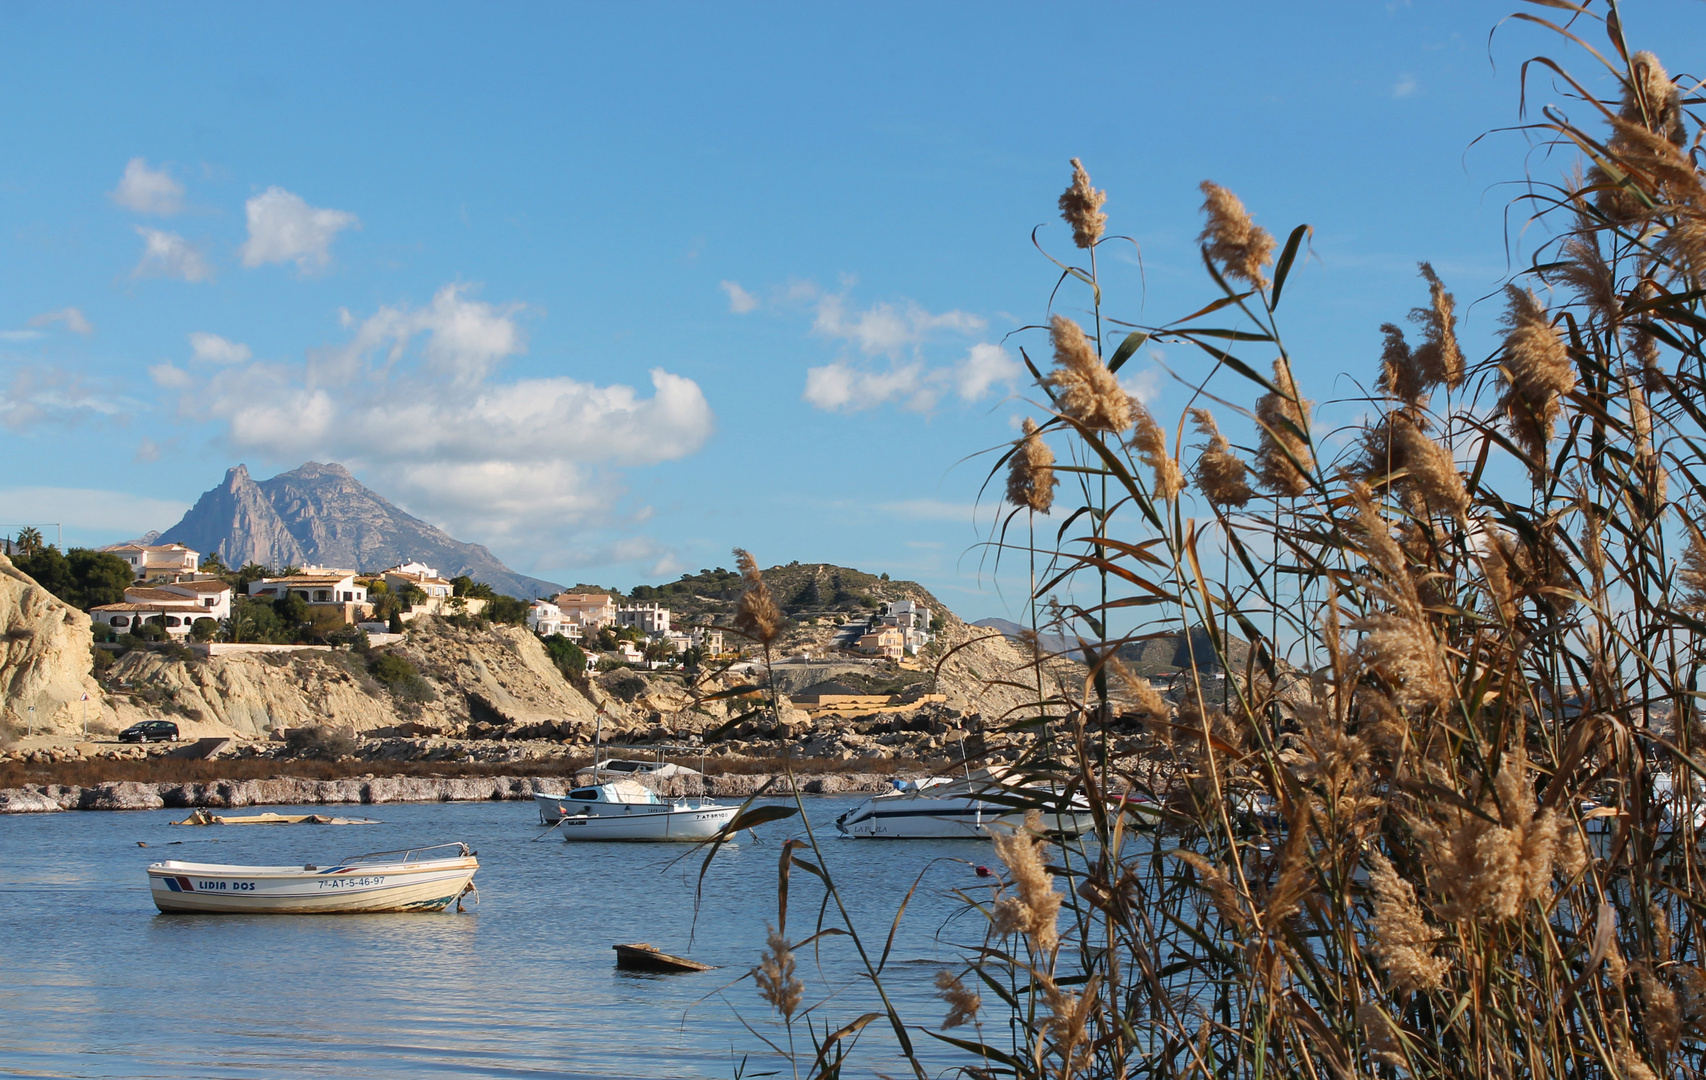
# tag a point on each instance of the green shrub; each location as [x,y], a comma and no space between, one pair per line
[204,629]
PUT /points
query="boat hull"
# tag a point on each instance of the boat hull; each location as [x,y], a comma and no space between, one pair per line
[648,824]
[257,890]
[900,818]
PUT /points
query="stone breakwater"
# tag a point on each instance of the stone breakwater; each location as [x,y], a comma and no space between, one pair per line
[290,791]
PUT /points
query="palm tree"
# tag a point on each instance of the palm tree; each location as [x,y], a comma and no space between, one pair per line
[29,541]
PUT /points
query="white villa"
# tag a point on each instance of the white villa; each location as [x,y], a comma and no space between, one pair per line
[421,576]
[153,561]
[320,588]
[174,605]
[587,609]
[652,620]
[545,618]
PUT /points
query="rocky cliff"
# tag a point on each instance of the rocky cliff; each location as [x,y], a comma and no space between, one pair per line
[321,514]
[44,659]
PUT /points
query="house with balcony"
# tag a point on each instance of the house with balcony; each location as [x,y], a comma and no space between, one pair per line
[151,562]
[588,610]
[545,618]
[335,589]
[652,620]
[888,642]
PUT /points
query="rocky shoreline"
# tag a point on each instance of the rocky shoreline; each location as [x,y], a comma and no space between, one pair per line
[373,790]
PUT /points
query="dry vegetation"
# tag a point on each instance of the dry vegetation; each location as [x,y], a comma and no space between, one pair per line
[1448,823]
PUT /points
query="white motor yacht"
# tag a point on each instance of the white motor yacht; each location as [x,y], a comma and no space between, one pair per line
[414,879]
[941,807]
[626,810]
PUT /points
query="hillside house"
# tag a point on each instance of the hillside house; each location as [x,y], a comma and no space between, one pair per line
[334,589]
[652,620]
[588,610]
[421,576]
[151,562]
[888,642]
[545,618]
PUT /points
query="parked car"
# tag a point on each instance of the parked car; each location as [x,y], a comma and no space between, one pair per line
[150,731]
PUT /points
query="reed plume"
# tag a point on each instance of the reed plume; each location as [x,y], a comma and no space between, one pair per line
[1219,472]
[756,613]
[1401,376]
[963,1004]
[1439,359]
[1034,907]
[1536,374]
[1084,388]
[1150,442]
[775,977]
[1030,472]
[1081,206]
[1431,472]
[1400,937]
[1240,246]
[1283,456]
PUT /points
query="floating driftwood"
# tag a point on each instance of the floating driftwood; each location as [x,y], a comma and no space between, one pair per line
[202,817]
[642,957]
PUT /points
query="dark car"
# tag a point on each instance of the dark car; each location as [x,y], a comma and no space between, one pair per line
[150,731]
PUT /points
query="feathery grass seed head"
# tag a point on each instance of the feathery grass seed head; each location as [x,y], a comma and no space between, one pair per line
[963,1004]
[1536,373]
[775,977]
[1150,442]
[1030,472]
[1081,206]
[1084,388]
[1239,245]
[756,613]
[1219,472]
[1283,456]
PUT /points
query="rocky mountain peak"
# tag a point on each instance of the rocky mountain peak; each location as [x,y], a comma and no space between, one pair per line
[321,514]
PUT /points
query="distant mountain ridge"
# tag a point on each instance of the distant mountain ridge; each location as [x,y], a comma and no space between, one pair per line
[322,515]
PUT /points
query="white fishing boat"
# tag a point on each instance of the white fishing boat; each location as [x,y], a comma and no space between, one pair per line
[414,879]
[626,810]
[942,807]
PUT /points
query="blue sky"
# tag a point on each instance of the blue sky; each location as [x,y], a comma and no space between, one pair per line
[614,288]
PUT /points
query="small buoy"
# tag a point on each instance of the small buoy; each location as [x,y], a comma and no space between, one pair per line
[139,843]
[984,871]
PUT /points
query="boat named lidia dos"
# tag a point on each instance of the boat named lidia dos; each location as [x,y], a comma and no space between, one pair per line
[627,810]
[411,879]
[943,808]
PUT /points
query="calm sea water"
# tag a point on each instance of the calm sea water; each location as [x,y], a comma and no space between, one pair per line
[97,983]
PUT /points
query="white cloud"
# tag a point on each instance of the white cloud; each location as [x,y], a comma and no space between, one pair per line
[284,228]
[915,387]
[70,316]
[930,510]
[38,395]
[166,254]
[887,328]
[20,335]
[840,387]
[413,401]
[1404,87]
[148,191]
[121,514]
[984,366]
[213,349]
[741,302]
[170,376]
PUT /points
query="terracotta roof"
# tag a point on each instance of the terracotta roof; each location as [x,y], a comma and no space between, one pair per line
[134,595]
[134,607]
[293,582]
[201,586]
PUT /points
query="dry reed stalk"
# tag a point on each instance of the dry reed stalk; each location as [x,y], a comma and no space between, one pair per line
[1034,907]
[1081,206]
[1150,442]
[756,613]
[1282,454]
[1401,377]
[1030,472]
[1219,472]
[1439,359]
[1084,388]
[1240,246]
[1536,373]
[963,1004]
[775,977]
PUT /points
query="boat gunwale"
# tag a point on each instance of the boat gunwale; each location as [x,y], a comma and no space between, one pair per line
[172,867]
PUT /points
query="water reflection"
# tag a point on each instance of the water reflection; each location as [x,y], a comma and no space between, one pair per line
[523,984]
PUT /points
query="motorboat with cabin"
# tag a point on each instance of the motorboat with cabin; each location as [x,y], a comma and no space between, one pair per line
[410,879]
[628,810]
[944,807]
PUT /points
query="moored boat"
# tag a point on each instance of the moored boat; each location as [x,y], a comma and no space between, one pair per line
[412,879]
[627,810]
[940,807]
